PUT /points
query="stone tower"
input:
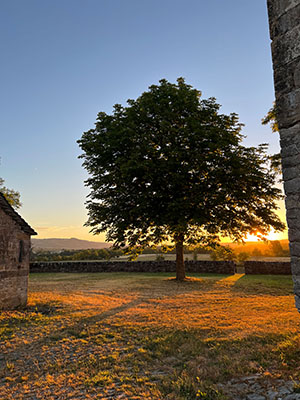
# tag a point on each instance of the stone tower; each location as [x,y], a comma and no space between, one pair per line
[284,19]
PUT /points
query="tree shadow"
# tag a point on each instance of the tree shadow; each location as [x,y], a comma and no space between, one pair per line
[274,285]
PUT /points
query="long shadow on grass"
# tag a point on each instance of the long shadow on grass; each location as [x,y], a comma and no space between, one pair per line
[271,285]
[182,362]
[145,292]
[78,325]
[73,331]
[178,358]
[169,286]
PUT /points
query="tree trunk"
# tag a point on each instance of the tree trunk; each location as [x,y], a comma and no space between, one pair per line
[180,268]
[284,30]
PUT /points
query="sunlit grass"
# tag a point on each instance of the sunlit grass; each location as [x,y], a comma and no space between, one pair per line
[146,336]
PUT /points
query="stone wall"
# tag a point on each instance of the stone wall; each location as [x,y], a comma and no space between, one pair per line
[284,19]
[267,268]
[214,267]
[14,263]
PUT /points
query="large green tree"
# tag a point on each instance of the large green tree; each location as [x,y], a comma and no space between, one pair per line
[170,168]
[12,196]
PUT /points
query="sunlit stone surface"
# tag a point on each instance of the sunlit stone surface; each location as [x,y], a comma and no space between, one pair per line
[284,19]
[14,257]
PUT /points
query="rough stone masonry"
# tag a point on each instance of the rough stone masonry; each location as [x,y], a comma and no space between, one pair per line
[14,256]
[284,20]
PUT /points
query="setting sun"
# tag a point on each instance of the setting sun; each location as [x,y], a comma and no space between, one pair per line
[271,236]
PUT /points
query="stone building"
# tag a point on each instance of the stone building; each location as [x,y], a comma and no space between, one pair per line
[14,256]
[284,18]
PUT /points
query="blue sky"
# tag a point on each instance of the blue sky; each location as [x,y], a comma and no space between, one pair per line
[64,61]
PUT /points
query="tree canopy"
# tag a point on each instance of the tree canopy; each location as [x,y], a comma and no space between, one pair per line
[12,196]
[271,118]
[170,167]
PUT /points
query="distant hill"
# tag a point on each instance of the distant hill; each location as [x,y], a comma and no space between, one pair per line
[67,244]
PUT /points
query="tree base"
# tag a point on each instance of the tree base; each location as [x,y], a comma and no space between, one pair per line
[186,279]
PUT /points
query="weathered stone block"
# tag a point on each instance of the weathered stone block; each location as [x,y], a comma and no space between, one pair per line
[277,8]
[290,135]
[285,22]
[287,47]
[291,173]
[285,79]
[288,108]
[292,186]
[291,150]
[294,213]
[295,266]
[294,232]
[295,247]
[292,161]
[292,201]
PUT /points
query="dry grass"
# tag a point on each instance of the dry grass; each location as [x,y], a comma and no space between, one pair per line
[145,336]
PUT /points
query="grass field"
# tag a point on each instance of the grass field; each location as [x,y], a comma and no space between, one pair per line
[145,336]
[200,257]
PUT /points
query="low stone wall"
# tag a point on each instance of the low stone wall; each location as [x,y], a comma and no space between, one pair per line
[267,268]
[213,267]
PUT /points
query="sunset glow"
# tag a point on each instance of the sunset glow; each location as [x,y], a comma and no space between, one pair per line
[149,200]
[52,189]
[271,236]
